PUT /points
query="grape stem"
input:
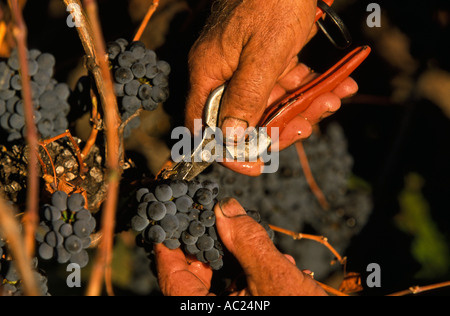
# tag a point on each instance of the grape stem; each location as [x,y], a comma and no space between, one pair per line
[31,217]
[309,176]
[128,120]
[146,19]
[320,239]
[420,289]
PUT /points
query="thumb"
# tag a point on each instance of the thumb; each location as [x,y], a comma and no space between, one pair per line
[268,271]
[248,92]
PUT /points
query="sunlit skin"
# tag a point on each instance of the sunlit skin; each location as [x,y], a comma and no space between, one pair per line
[268,271]
[253,46]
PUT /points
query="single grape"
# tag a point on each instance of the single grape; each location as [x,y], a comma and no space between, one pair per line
[170,207]
[159,94]
[149,197]
[163,192]
[164,67]
[123,75]
[138,70]
[203,196]
[83,214]
[172,243]
[45,251]
[208,218]
[188,239]
[76,202]
[126,59]
[130,103]
[59,200]
[66,230]
[51,213]
[140,193]
[151,71]
[145,92]
[16,82]
[205,243]
[16,121]
[73,244]
[138,223]
[54,239]
[156,211]
[161,80]
[196,228]
[82,228]
[46,61]
[132,87]
[191,249]
[212,255]
[156,234]
[81,258]
[169,223]
[62,255]
[183,220]
[179,188]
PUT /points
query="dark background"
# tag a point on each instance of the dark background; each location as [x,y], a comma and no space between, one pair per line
[388,137]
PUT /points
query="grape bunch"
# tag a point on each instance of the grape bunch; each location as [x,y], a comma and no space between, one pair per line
[11,283]
[50,98]
[140,79]
[10,280]
[65,232]
[285,199]
[180,214]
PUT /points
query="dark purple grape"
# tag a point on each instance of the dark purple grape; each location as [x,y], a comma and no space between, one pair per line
[123,75]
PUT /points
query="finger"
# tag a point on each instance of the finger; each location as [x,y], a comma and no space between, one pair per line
[288,82]
[346,88]
[322,107]
[296,130]
[268,271]
[207,71]
[178,278]
[295,78]
[248,90]
[252,169]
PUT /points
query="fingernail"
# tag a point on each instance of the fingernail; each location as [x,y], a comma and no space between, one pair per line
[233,130]
[231,208]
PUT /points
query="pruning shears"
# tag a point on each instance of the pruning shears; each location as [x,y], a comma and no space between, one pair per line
[276,116]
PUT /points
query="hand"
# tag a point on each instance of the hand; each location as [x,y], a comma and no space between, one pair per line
[268,271]
[253,46]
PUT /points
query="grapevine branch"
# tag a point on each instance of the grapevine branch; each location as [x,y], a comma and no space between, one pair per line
[419,289]
[90,33]
[320,239]
[31,216]
[10,229]
[146,19]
